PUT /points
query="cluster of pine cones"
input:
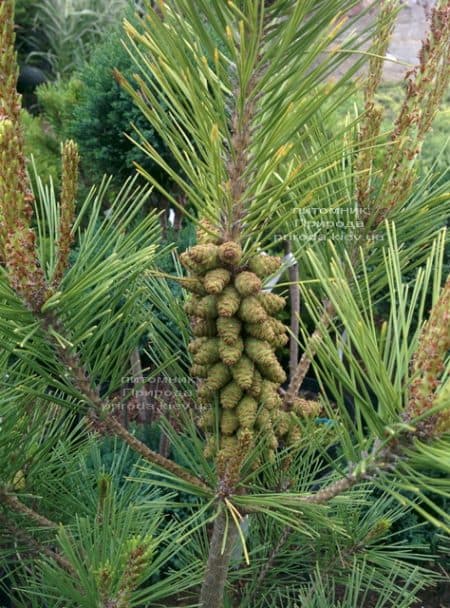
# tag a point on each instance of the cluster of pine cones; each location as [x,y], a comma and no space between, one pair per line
[236,335]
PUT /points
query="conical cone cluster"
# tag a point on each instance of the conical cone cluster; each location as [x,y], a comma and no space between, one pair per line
[236,335]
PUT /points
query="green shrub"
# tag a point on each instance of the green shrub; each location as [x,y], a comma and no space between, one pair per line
[42,146]
[102,114]
[57,101]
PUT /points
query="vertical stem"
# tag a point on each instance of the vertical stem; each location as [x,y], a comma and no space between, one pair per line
[211,595]
[294,293]
[138,382]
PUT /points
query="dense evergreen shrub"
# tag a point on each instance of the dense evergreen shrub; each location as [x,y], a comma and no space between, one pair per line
[103,114]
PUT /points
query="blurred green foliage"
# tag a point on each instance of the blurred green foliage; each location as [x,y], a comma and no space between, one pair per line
[42,146]
[104,114]
[92,108]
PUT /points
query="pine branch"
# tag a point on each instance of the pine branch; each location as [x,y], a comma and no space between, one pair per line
[30,541]
[105,419]
[380,458]
[13,503]
[304,364]
[294,293]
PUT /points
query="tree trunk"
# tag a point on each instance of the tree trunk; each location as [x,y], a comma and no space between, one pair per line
[211,595]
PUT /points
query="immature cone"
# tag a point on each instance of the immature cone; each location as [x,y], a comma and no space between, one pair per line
[234,350]
[230,253]
[206,308]
[247,283]
[264,265]
[216,280]
[207,233]
[228,302]
[306,407]
[251,310]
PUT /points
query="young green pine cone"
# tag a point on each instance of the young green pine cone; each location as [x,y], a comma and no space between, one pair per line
[243,373]
[272,440]
[194,285]
[251,310]
[294,435]
[264,421]
[256,387]
[271,302]
[206,308]
[203,257]
[229,445]
[231,353]
[264,265]
[196,344]
[273,371]
[190,306]
[229,329]
[208,354]
[206,420]
[247,283]
[269,397]
[306,407]
[280,336]
[262,331]
[216,280]
[282,423]
[230,253]
[199,371]
[246,438]
[203,327]
[228,302]
[210,449]
[218,376]
[204,393]
[207,233]
[271,456]
[246,411]
[260,352]
[229,422]
[200,258]
[230,395]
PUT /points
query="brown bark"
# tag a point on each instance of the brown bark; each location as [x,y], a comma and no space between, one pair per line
[212,591]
